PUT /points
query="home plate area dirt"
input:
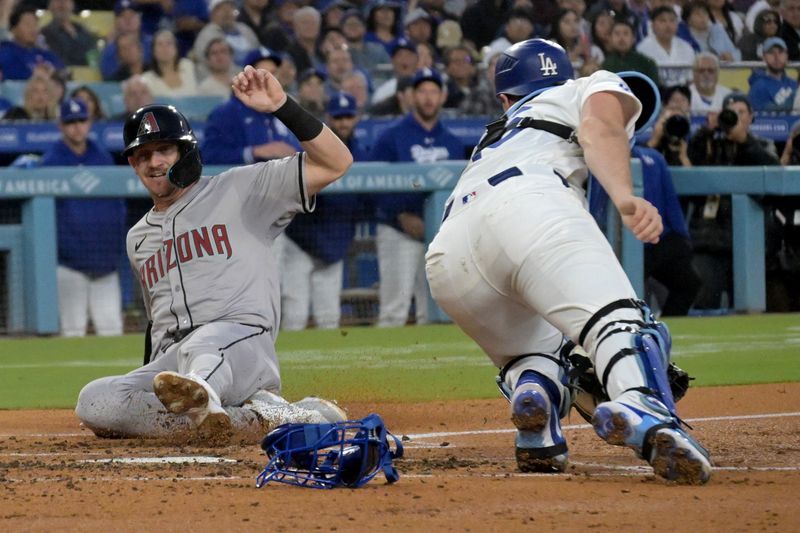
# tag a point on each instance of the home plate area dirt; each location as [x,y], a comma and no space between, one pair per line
[458,474]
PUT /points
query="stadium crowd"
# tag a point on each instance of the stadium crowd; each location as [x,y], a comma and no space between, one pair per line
[347,60]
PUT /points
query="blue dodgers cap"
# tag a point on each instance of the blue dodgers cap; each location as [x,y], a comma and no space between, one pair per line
[74,109]
[122,5]
[401,43]
[427,74]
[261,53]
[774,41]
[342,104]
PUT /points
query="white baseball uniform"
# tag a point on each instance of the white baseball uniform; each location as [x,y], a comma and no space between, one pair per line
[211,288]
[518,259]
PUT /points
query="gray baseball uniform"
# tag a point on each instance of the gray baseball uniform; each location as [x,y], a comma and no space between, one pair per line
[211,288]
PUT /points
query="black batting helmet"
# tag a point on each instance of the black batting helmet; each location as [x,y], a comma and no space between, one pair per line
[159,122]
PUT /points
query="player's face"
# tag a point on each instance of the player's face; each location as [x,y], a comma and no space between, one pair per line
[151,162]
[428,100]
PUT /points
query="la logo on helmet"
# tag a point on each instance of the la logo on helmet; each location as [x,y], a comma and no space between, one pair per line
[547,66]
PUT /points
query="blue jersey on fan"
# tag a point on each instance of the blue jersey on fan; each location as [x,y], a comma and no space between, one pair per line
[233,129]
[91,231]
[408,141]
[17,62]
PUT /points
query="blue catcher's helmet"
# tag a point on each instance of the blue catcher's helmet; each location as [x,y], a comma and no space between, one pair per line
[325,456]
[532,65]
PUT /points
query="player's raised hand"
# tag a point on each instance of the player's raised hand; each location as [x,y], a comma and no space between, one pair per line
[258,89]
[642,218]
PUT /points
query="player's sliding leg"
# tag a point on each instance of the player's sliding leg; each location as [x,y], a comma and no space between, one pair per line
[631,354]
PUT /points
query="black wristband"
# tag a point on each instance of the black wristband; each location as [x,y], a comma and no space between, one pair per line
[303,124]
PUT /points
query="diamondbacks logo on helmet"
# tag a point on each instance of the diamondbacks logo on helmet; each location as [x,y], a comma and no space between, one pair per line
[148,125]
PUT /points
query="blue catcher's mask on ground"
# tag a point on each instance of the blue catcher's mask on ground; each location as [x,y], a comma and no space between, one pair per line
[325,456]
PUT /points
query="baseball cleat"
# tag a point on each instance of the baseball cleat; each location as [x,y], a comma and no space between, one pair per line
[540,446]
[273,410]
[641,422]
[331,412]
[192,396]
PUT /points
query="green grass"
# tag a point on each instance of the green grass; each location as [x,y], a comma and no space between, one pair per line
[403,364]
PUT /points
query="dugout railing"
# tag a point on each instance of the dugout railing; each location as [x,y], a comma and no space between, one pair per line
[28,223]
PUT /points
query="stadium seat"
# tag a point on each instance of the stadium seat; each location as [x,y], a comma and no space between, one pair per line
[194,107]
[84,74]
[14,91]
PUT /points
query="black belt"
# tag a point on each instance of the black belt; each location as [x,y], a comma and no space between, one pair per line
[181,334]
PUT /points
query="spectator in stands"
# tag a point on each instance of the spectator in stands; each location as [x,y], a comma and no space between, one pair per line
[383,23]
[357,84]
[223,23]
[723,12]
[135,94]
[725,140]
[311,92]
[338,64]
[92,101]
[127,21]
[669,262]
[255,14]
[418,26]
[673,55]
[287,73]
[316,244]
[602,25]
[671,131]
[426,56]
[483,101]
[278,34]
[579,7]
[88,259]
[623,56]
[790,13]
[69,40]
[39,101]
[483,20]
[618,8]
[462,75]
[404,63]
[332,12]
[130,57]
[328,40]
[767,24]
[419,137]
[706,35]
[20,56]
[566,31]
[220,68]
[306,25]
[236,134]
[517,28]
[368,56]
[190,18]
[169,73]
[770,88]
[707,93]
[155,14]
[757,7]
[398,104]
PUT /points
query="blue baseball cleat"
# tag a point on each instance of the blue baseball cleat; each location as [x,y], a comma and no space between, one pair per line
[540,446]
[643,423]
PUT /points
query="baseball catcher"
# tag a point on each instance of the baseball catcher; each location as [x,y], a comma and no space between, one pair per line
[520,265]
[204,258]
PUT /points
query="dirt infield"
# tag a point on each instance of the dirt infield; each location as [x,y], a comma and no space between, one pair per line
[459,474]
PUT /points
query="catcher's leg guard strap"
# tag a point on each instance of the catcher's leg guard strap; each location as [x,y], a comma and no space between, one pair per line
[550,366]
[627,303]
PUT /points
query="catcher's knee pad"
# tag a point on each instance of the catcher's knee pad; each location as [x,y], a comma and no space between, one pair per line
[552,366]
[644,337]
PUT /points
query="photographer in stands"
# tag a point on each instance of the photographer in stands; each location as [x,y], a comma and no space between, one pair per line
[671,130]
[726,140]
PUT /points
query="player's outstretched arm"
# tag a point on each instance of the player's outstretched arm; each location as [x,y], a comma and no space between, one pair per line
[604,141]
[327,158]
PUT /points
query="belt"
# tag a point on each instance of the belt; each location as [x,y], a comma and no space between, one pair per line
[181,334]
[494,181]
